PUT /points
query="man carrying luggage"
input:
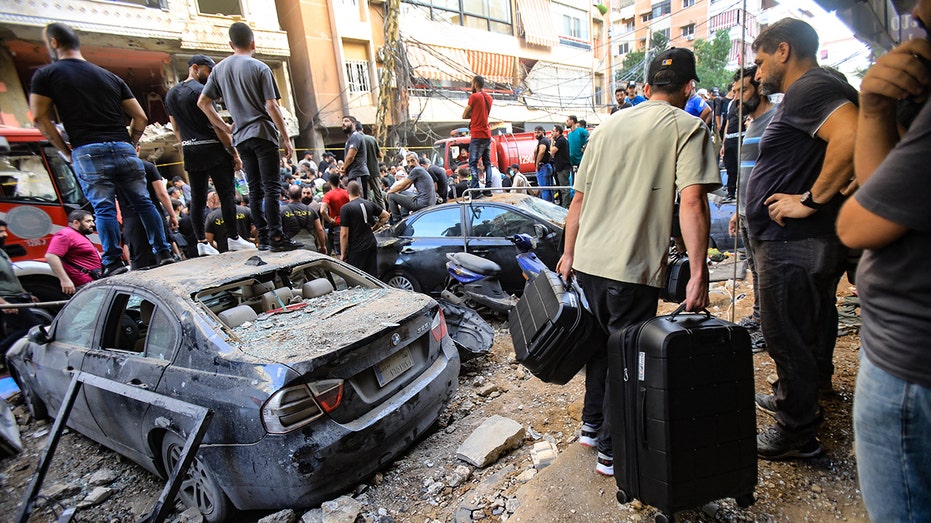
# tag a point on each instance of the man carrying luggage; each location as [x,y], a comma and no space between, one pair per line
[621,270]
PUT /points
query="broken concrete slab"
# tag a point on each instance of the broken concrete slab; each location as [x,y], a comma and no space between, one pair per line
[95,497]
[102,477]
[343,509]
[191,515]
[282,516]
[313,516]
[495,436]
[10,442]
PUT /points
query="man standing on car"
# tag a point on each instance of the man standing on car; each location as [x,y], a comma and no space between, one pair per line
[16,322]
[354,157]
[91,102]
[621,270]
[251,95]
[793,197]
[477,111]
[71,255]
[541,161]
[358,219]
[208,154]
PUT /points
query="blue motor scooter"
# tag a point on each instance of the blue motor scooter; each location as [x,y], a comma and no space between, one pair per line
[474,281]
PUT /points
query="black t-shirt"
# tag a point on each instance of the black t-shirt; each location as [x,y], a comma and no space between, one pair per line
[295,217]
[546,143]
[458,189]
[894,289]
[360,215]
[88,98]
[215,225]
[202,148]
[561,158]
[442,181]
[791,157]
[734,125]
[358,168]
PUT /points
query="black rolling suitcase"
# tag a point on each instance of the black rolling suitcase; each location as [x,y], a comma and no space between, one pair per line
[554,335]
[682,412]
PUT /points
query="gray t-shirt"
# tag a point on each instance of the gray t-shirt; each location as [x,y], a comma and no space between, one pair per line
[358,168]
[245,84]
[423,182]
[749,152]
[893,283]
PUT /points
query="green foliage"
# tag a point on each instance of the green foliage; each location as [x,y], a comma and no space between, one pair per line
[632,66]
[711,60]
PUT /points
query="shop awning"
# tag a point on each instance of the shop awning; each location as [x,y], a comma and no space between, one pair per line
[493,67]
[537,21]
[433,62]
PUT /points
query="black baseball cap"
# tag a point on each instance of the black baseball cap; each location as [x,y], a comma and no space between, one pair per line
[201,59]
[678,60]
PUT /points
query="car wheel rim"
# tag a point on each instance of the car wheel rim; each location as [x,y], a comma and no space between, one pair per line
[401,282]
[193,491]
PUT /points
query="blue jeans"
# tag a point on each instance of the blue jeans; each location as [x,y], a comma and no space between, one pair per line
[892,429]
[545,179]
[260,161]
[615,305]
[479,147]
[798,281]
[104,168]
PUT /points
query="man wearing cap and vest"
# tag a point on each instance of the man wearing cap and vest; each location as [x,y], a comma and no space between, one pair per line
[208,155]
[621,270]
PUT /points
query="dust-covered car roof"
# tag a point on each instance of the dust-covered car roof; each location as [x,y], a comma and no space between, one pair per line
[206,272]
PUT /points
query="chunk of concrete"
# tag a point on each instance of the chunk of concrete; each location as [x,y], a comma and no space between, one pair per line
[543,454]
[495,436]
[102,477]
[282,516]
[191,515]
[96,497]
[343,509]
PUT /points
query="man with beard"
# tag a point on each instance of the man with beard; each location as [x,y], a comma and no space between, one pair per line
[358,219]
[91,102]
[372,156]
[298,221]
[440,180]
[793,196]
[215,227]
[422,182]
[16,322]
[71,255]
[354,163]
[889,218]
[477,111]
[757,106]
[208,154]
[250,93]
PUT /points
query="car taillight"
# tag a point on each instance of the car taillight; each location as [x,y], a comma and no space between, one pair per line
[438,327]
[288,409]
[328,393]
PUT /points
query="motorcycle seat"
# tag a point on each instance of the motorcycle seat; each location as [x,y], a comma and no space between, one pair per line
[475,263]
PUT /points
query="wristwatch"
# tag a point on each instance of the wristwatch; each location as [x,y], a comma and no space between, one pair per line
[809,202]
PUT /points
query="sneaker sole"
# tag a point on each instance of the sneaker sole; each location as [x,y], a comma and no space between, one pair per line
[588,442]
[792,454]
[604,471]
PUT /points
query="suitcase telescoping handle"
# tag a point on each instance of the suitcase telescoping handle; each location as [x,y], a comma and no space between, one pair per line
[681,308]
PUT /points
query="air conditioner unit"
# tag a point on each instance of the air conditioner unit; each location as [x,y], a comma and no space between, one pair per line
[690,37]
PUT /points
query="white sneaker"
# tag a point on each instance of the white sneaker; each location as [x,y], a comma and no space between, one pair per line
[589,436]
[205,249]
[238,244]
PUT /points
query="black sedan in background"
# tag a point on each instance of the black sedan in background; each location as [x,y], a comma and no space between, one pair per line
[412,253]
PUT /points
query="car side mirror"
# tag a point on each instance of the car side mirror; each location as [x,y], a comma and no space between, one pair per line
[38,335]
[540,230]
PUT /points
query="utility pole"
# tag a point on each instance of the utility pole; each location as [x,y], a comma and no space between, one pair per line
[646,54]
[387,77]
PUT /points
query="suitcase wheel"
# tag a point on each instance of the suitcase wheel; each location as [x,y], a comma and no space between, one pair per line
[745,501]
[623,497]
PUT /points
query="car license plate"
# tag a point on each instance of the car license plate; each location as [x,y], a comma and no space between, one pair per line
[393,366]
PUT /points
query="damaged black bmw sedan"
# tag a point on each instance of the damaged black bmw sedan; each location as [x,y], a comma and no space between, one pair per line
[317,373]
